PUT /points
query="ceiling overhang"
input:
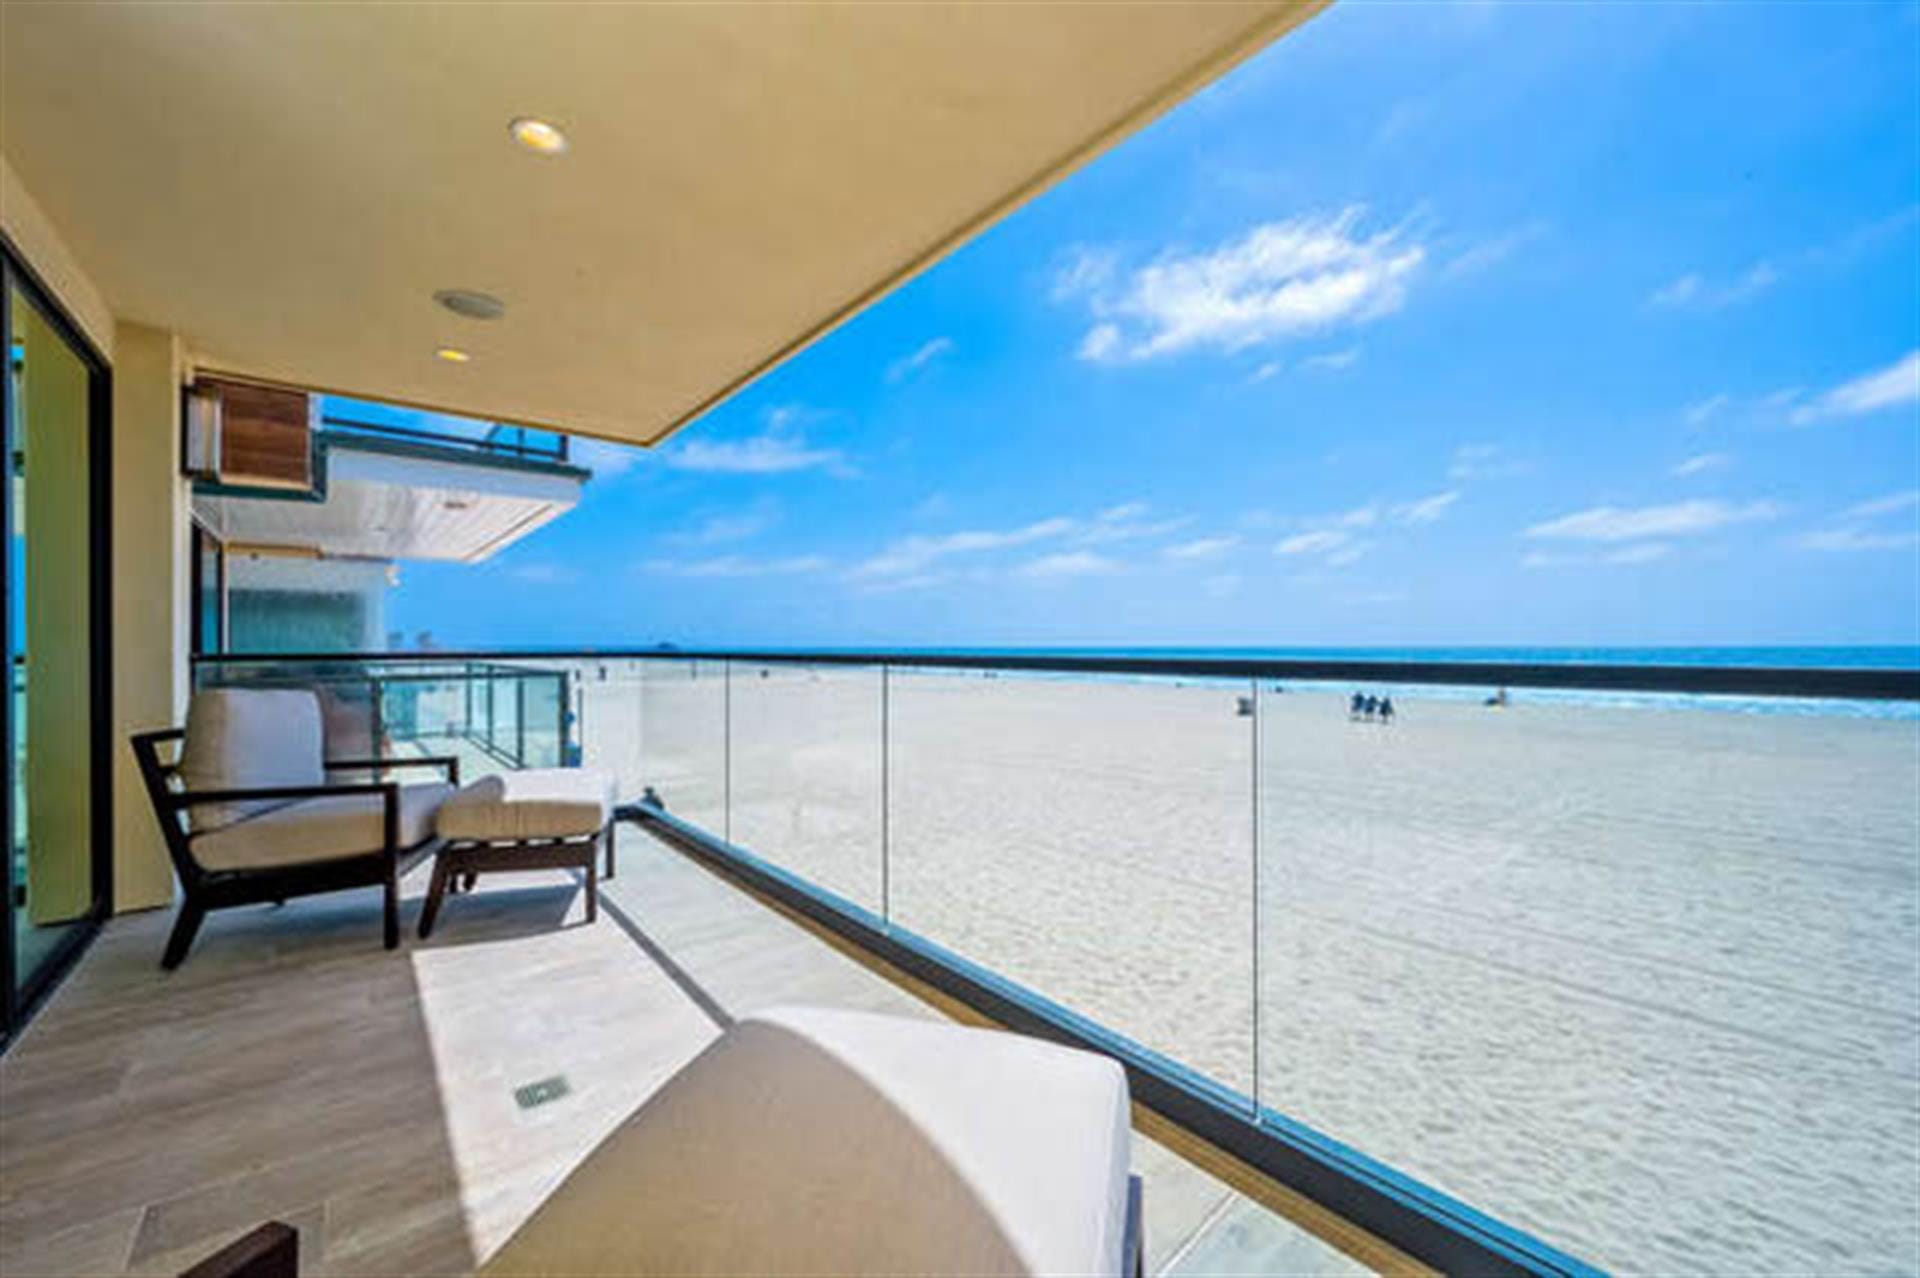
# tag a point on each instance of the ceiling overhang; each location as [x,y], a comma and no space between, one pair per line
[287,185]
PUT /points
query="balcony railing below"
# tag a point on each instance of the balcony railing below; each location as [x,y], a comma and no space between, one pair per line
[1590,947]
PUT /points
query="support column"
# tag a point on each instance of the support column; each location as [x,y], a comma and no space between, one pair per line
[151,596]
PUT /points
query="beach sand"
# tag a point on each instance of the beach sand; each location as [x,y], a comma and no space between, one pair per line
[1645,982]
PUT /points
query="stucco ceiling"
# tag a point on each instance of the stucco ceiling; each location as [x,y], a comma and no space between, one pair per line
[288,184]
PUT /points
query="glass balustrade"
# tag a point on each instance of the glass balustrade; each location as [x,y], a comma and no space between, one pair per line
[1638,972]
[805,781]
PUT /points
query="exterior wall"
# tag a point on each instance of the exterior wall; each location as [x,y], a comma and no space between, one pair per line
[151,593]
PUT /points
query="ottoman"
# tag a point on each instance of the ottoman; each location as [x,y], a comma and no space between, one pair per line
[809,1142]
[539,819]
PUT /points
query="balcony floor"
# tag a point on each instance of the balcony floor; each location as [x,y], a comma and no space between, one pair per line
[292,1069]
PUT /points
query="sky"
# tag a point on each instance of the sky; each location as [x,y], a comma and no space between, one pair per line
[1472,324]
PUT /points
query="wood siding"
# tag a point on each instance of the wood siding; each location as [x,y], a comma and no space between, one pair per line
[265,435]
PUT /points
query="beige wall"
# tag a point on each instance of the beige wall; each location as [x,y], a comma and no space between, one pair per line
[150,593]
[35,238]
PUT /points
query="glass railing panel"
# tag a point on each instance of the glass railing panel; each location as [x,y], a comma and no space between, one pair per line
[607,710]
[1638,974]
[805,789]
[509,691]
[1091,839]
[683,739]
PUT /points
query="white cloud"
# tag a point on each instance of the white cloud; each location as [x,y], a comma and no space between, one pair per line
[717,530]
[1266,370]
[1280,280]
[1127,522]
[1318,542]
[1679,519]
[1638,553]
[1101,343]
[1086,272]
[907,365]
[1073,563]
[1332,361]
[1693,291]
[1222,585]
[1334,538]
[739,566]
[778,449]
[1851,539]
[603,457]
[1896,384]
[1484,461]
[1201,548]
[911,555]
[1359,517]
[1891,504]
[1700,463]
[1425,510]
[1703,411]
[1346,554]
[1858,530]
[543,574]
[1489,253]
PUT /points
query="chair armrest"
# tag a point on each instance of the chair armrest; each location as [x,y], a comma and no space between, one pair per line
[193,798]
[447,762]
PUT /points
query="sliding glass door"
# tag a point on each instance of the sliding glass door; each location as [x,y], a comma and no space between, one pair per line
[55,820]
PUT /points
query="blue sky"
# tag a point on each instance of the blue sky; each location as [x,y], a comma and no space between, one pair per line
[1470,324]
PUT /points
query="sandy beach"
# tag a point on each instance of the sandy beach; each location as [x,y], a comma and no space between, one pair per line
[1646,982]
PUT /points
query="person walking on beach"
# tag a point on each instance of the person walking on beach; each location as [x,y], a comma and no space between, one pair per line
[1386,709]
[1355,706]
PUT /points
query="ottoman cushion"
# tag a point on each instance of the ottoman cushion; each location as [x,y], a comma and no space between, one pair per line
[547,803]
[807,1141]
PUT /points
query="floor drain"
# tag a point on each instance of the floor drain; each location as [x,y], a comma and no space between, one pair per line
[542,1092]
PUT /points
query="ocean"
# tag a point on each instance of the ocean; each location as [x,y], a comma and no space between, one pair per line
[1820,657]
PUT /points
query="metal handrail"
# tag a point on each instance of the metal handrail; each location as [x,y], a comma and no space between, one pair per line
[1400,1209]
[495,441]
[1848,684]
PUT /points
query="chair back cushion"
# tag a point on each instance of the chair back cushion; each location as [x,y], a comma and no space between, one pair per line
[809,1141]
[242,738]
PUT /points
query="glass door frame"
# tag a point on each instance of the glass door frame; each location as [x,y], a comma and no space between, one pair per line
[19,1002]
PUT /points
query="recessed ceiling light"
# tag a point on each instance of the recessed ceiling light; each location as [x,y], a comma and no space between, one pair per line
[471,303]
[538,136]
[452,354]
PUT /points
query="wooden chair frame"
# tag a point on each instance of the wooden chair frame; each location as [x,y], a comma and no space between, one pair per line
[204,889]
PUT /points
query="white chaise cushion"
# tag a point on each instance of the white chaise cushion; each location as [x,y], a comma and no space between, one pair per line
[806,1141]
[319,829]
[246,738]
[540,803]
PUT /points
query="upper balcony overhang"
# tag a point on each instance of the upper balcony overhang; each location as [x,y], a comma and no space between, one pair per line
[288,185]
[394,499]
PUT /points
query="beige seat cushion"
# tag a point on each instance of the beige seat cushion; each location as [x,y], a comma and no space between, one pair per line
[247,738]
[319,829]
[806,1141]
[540,803]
